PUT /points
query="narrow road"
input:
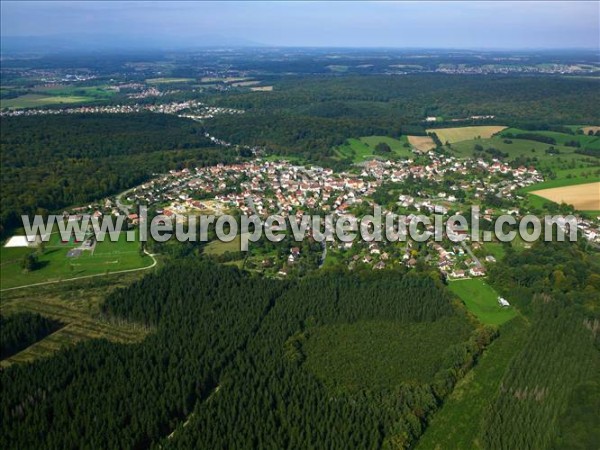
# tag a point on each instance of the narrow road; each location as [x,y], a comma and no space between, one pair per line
[120,205]
[43,283]
[471,254]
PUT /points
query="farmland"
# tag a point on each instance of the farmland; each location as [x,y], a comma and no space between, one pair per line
[56,95]
[585,141]
[37,100]
[166,80]
[482,301]
[585,197]
[421,143]
[531,152]
[458,134]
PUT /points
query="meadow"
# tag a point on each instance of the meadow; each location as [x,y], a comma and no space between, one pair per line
[38,100]
[534,151]
[482,300]
[56,95]
[362,149]
[54,265]
[584,140]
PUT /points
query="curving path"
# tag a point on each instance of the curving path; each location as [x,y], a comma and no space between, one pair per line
[43,283]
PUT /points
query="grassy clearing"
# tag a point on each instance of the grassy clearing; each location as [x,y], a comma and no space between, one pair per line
[458,424]
[362,149]
[496,249]
[217,247]
[379,354]
[54,265]
[77,306]
[482,300]
[38,100]
[459,134]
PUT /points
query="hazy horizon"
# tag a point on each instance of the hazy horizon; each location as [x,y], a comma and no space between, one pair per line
[400,25]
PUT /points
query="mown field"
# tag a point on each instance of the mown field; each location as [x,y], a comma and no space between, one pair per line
[422,143]
[482,300]
[583,197]
[54,265]
[458,134]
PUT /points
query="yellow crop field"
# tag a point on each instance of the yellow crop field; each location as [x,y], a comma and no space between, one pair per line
[584,197]
[586,130]
[421,143]
[458,134]
[261,89]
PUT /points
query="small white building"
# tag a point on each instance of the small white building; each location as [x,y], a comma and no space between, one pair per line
[503,302]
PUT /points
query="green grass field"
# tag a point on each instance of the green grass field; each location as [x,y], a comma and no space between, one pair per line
[584,140]
[482,300]
[38,100]
[496,249]
[567,159]
[379,354]
[54,265]
[361,149]
[458,424]
[217,247]
[94,92]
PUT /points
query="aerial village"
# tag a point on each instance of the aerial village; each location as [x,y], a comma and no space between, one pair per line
[266,187]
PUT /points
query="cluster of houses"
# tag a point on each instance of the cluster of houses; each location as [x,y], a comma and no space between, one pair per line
[266,187]
[197,110]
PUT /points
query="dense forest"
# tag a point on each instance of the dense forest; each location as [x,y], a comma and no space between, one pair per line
[228,356]
[550,394]
[19,331]
[52,162]
[317,113]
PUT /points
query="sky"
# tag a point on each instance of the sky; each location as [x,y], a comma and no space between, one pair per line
[446,24]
